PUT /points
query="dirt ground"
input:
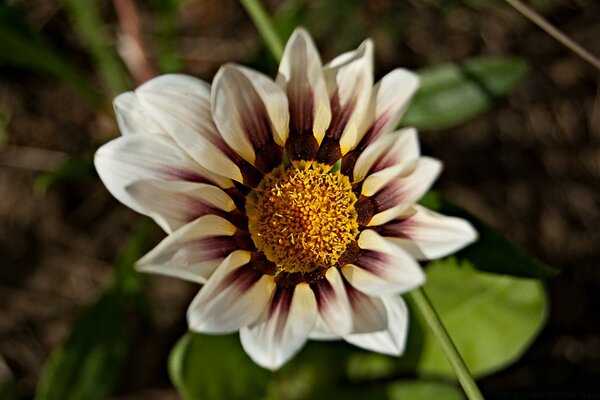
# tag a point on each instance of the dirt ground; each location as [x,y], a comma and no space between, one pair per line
[530,168]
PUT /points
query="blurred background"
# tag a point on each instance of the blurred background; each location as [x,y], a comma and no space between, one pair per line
[530,166]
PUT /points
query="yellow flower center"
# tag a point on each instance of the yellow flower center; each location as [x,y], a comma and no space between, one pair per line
[302,217]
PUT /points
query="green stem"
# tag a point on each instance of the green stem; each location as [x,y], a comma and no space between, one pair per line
[265,27]
[452,355]
[566,41]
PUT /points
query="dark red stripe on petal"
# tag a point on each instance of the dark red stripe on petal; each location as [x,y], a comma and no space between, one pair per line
[330,150]
[350,255]
[398,228]
[301,107]
[259,262]
[281,303]
[182,174]
[301,145]
[243,240]
[213,247]
[373,261]
[348,162]
[242,278]
[324,293]
[366,208]
[389,196]
[257,127]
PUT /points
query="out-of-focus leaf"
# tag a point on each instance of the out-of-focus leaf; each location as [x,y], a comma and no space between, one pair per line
[22,46]
[85,16]
[289,17]
[452,94]
[215,367]
[72,170]
[492,252]
[4,120]
[88,365]
[8,391]
[168,58]
[492,319]
[423,390]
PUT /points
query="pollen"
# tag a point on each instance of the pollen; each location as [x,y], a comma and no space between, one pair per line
[302,217]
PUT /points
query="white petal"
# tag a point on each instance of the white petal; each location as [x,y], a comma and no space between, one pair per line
[181,105]
[301,77]
[392,196]
[427,235]
[233,297]
[368,312]
[383,268]
[132,158]
[193,251]
[397,150]
[391,96]
[333,304]
[391,341]
[350,81]
[132,118]
[285,328]
[250,111]
[173,204]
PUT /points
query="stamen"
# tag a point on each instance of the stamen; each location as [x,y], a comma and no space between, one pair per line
[303,217]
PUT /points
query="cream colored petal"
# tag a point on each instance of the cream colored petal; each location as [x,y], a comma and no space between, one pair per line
[234,296]
[392,340]
[193,251]
[173,204]
[132,118]
[399,150]
[285,327]
[251,113]
[180,104]
[427,235]
[301,77]
[384,268]
[133,158]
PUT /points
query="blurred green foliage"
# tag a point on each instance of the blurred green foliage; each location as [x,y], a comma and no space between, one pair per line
[451,94]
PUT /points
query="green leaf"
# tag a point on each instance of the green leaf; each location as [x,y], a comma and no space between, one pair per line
[24,47]
[492,319]
[492,252]
[8,391]
[451,94]
[88,365]
[215,367]
[423,390]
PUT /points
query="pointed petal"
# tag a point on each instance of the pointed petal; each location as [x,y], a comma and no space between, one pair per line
[368,313]
[285,329]
[385,196]
[391,96]
[251,113]
[234,296]
[427,235]
[180,104]
[382,267]
[173,204]
[132,158]
[399,150]
[132,118]
[195,250]
[333,304]
[391,341]
[301,77]
[350,82]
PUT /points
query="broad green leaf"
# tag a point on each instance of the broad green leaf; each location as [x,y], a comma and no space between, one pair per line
[215,367]
[89,363]
[24,47]
[451,94]
[423,390]
[492,252]
[492,319]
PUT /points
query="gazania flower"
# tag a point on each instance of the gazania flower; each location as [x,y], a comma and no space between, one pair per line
[291,201]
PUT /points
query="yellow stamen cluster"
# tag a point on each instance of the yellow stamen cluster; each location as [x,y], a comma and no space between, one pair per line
[302,217]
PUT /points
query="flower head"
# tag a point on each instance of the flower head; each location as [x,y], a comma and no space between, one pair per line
[292,201]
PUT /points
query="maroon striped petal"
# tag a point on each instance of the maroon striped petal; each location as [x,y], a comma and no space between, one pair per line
[234,296]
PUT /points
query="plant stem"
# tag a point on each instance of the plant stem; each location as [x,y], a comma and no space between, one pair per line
[452,355]
[265,27]
[566,41]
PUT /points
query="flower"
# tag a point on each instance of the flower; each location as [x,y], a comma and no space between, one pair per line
[292,202]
